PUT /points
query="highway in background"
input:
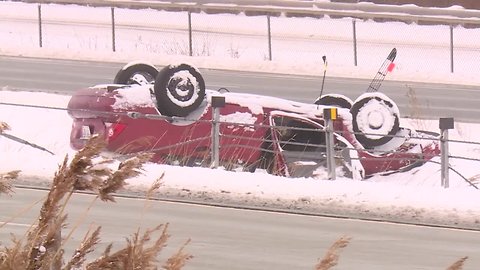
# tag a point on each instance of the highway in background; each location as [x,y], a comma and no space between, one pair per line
[416,100]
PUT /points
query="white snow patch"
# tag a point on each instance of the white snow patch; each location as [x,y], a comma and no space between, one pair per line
[239,120]
[134,96]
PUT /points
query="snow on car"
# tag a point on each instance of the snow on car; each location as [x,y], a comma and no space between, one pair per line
[169,112]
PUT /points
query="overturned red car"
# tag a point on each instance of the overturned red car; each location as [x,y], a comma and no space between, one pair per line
[169,113]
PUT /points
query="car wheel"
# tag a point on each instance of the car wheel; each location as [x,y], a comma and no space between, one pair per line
[375,119]
[136,73]
[179,90]
[336,100]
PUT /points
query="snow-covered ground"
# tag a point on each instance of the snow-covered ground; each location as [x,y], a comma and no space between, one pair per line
[226,41]
[416,196]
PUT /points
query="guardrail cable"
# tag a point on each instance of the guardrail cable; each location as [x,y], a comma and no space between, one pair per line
[260,141]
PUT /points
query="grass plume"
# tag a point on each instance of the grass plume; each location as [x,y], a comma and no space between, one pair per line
[179,259]
[137,254]
[87,246]
[458,265]
[331,257]
[6,180]
[4,126]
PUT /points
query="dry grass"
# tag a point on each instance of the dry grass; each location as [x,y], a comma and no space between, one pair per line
[458,265]
[4,126]
[6,180]
[135,255]
[475,179]
[416,110]
[42,246]
[331,257]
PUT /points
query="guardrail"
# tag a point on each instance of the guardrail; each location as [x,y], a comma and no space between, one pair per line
[319,152]
[289,7]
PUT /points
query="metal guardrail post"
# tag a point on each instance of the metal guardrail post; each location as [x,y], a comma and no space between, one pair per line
[190,39]
[269,29]
[445,124]
[330,114]
[113,29]
[451,48]
[217,103]
[354,23]
[40,41]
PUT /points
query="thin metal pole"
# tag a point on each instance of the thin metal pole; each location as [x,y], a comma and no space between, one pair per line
[216,137]
[40,41]
[113,28]
[330,152]
[269,37]
[190,40]
[354,24]
[451,48]
[444,158]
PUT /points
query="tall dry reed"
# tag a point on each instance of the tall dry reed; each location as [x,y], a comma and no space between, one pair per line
[42,247]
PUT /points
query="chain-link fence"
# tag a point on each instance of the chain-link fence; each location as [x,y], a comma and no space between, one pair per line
[442,45]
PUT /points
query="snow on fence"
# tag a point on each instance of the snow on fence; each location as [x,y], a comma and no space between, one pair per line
[349,37]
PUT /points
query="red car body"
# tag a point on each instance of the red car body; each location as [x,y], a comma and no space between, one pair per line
[251,129]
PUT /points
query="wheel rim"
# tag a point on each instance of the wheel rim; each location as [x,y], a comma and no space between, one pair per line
[371,119]
[141,78]
[182,88]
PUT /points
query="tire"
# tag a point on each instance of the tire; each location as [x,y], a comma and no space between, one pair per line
[374,113]
[179,90]
[335,100]
[136,73]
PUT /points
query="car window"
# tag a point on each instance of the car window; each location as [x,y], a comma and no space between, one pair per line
[298,135]
[303,146]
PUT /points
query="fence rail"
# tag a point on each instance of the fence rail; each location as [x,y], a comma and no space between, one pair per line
[305,8]
[356,12]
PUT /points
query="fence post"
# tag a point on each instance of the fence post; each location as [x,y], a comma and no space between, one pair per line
[269,29]
[217,103]
[113,28]
[451,48]
[354,23]
[40,42]
[190,40]
[445,124]
[330,114]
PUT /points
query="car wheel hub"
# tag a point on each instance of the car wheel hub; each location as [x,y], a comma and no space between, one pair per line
[375,119]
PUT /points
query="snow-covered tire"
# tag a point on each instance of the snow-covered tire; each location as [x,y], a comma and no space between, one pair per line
[136,73]
[372,114]
[335,100]
[179,90]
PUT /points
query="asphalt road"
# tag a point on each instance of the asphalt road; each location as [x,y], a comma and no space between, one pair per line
[419,100]
[224,238]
